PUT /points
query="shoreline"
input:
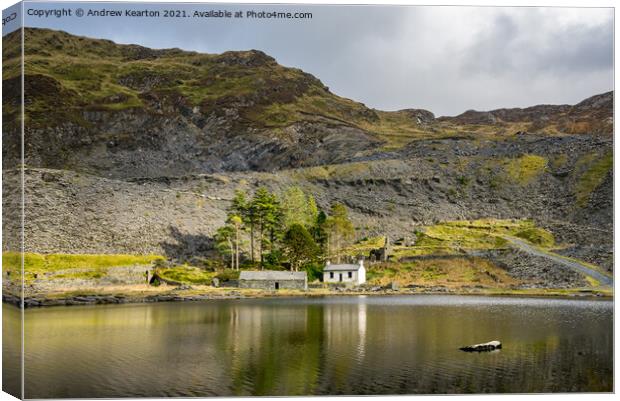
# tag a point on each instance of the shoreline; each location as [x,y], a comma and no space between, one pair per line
[74,298]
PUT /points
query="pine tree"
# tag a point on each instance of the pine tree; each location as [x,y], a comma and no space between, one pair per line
[298,208]
[319,230]
[225,244]
[241,207]
[341,229]
[267,218]
[299,246]
[236,223]
[228,239]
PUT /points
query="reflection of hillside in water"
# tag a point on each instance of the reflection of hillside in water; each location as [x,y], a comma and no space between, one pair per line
[318,346]
[366,348]
[11,350]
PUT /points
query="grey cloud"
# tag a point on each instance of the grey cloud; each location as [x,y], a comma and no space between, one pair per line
[580,49]
[574,49]
[445,59]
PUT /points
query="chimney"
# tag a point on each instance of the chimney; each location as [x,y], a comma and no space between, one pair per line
[328,263]
[361,262]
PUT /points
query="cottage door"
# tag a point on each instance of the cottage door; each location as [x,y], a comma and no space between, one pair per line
[340,277]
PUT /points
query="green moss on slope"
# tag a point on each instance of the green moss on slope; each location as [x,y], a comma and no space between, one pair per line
[526,168]
[454,236]
[592,177]
[537,236]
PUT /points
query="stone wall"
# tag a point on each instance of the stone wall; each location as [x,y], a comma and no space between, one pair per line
[271,284]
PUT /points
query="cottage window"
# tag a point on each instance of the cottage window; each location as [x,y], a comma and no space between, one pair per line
[331,274]
[350,274]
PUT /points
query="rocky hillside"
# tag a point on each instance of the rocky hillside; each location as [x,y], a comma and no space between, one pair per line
[134,150]
[593,115]
[125,111]
[564,184]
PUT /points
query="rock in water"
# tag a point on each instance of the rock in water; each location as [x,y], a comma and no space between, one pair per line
[490,346]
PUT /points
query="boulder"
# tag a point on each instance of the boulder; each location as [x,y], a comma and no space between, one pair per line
[490,346]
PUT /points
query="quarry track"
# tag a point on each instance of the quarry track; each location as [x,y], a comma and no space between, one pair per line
[603,279]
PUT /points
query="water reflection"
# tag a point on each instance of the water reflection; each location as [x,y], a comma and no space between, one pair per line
[318,346]
[11,350]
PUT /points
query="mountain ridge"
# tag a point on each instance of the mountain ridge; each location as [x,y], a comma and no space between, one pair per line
[234,111]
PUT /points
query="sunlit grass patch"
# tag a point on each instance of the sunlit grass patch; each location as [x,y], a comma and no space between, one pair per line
[364,246]
[525,168]
[446,235]
[39,263]
[451,272]
[537,236]
[401,252]
[453,237]
[187,274]
[592,178]
[592,281]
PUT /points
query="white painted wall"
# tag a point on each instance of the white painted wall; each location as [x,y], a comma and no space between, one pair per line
[357,276]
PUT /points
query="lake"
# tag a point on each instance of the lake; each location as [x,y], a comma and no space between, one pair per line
[303,346]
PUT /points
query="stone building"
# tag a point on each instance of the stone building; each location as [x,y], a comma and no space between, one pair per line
[273,280]
[381,254]
[345,273]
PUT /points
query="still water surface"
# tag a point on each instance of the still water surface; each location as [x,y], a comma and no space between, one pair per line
[340,345]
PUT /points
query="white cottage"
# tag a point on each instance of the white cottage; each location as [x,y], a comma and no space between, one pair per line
[348,273]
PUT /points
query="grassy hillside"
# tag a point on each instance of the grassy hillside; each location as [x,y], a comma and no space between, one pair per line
[456,237]
[70,265]
[595,168]
[67,75]
[98,74]
[449,273]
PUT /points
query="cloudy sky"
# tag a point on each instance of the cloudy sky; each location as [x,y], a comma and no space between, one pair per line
[444,59]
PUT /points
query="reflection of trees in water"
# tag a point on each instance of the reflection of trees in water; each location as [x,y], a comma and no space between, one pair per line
[356,348]
[277,350]
[282,347]
[295,349]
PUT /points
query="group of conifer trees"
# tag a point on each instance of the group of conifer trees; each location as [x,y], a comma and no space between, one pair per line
[270,230]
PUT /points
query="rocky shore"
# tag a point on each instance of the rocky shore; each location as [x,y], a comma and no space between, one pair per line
[195,295]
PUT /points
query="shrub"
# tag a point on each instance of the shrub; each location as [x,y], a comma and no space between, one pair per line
[207,264]
[463,181]
[227,275]
[314,271]
[186,274]
[273,259]
[160,263]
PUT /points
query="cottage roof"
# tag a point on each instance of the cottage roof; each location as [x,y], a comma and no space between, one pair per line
[272,275]
[331,268]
